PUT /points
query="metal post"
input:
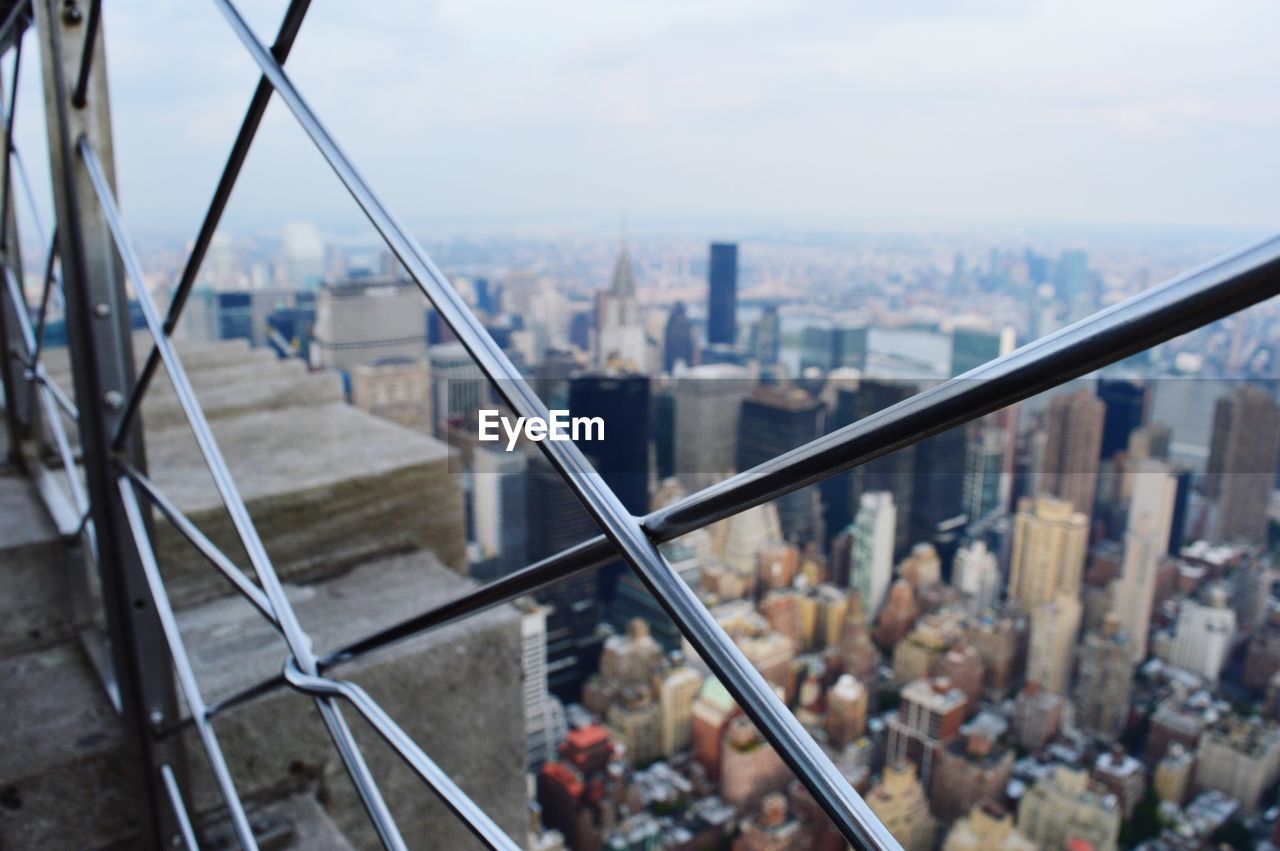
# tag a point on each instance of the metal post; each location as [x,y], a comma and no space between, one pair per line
[17,407]
[101,354]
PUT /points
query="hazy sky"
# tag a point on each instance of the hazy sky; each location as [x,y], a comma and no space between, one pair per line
[957,112]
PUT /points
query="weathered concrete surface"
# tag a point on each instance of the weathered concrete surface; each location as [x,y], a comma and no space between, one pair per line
[456,691]
[195,356]
[328,487]
[63,779]
[296,823]
[35,609]
[242,388]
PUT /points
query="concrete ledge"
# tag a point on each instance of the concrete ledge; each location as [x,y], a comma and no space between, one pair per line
[328,487]
[241,389]
[456,691]
[35,609]
[64,782]
[195,356]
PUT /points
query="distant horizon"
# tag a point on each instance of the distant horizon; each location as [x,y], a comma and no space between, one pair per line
[766,114]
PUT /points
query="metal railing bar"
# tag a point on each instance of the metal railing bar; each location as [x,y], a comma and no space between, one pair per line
[366,784]
[25,180]
[48,398]
[285,37]
[8,140]
[481,825]
[36,374]
[179,808]
[56,497]
[182,666]
[15,15]
[850,814]
[299,642]
[203,545]
[46,292]
[79,97]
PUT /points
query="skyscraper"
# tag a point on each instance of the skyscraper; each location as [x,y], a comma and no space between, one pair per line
[1105,681]
[722,301]
[972,347]
[1204,635]
[622,456]
[620,338]
[1049,544]
[1053,639]
[986,487]
[708,405]
[1126,412]
[1146,541]
[976,574]
[557,520]
[544,721]
[303,256]
[677,342]
[894,472]
[773,421]
[871,562]
[499,492]
[367,320]
[1242,463]
[766,341]
[1072,449]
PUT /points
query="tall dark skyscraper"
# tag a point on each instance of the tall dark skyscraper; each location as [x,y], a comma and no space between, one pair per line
[722,280]
[677,343]
[557,520]
[622,458]
[895,472]
[774,420]
[1126,403]
[1073,446]
[1242,463]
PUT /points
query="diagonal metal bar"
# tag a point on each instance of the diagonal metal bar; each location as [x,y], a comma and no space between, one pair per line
[179,808]
[851,815]
[182,664]
[299,642]
[16,20]
[37,375]
[221,195]
[403,744]
[79,97]
[203,545]
[6,188]
[46,292]
[50,401]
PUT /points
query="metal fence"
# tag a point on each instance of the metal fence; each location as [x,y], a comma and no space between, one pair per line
[102,497]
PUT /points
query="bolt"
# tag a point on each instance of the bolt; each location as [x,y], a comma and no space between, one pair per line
[156,718]
[102,310]
[113,399]
[71,14]
[175,841]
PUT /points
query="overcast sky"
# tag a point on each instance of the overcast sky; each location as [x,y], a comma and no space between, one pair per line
[956,112]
